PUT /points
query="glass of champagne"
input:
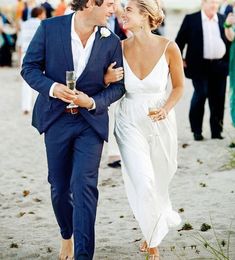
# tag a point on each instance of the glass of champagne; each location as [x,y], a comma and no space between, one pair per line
[71,84]
[152,111]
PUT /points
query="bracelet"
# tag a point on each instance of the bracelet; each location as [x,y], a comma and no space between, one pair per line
[227,26]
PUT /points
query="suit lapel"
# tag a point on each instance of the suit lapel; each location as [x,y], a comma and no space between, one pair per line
[221,27]
[66,39]
[67,46]
[200,32]
[95,49]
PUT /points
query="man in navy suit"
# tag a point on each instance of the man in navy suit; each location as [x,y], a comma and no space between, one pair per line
[206,63]
[74,137]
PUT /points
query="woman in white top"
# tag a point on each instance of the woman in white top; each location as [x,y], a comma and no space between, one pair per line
[145,121]
[28,29]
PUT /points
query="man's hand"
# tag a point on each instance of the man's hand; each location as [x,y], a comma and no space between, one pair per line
[83,100]
[64,93]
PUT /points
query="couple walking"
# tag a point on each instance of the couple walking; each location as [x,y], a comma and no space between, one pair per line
[74,137]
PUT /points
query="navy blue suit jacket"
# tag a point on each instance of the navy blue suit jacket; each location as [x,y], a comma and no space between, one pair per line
[191,34]
[49,56]
[229,9]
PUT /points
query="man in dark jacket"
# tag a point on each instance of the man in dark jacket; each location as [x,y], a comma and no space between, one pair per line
[206,63]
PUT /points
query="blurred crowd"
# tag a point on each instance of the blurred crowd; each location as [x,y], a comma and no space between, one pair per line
[12,22]
[205,59]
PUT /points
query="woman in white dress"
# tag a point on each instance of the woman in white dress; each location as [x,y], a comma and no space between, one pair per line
[145,121]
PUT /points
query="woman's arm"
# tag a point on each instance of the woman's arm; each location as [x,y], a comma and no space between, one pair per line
[229,32]
[173,56]
[177,75]
[113,74]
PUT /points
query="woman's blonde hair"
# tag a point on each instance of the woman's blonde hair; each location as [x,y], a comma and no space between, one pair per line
[152,9]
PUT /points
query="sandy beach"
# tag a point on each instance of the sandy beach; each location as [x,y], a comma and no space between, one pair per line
[203,188]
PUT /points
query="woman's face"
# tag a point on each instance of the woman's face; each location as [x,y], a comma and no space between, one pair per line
[132,19]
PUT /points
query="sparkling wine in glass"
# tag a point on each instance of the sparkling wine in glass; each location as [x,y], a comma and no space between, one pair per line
[152,111]
[71,84]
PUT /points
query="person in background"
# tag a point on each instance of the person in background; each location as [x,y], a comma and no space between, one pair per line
[19,10]
[29,5]
[225,8]
[7,41]
[49,9]
[60,9]
[68,10]
[206,63]
[28,29]
[229,26]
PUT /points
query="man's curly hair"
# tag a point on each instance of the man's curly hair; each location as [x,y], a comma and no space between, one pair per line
[79,5]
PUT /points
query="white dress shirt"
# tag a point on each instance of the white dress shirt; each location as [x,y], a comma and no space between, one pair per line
[213,45]
[80,54]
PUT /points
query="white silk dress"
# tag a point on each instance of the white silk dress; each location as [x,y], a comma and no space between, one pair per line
[148,151]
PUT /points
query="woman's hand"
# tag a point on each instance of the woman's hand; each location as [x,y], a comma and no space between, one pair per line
[113,74]
[158,114]
[83,100]
[230,19]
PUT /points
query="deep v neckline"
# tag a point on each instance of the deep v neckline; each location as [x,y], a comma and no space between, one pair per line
[147,75]
[151,71]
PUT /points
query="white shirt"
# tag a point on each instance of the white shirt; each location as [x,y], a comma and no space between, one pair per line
[80,54]
[28,29]
[213,45]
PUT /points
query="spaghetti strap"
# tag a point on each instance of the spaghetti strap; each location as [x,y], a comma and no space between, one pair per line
[166,46]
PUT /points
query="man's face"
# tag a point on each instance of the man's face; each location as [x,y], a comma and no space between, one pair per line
[210,7]
[102,13]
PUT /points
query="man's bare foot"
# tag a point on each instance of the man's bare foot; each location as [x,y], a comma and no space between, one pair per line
[153,253]
[66,249]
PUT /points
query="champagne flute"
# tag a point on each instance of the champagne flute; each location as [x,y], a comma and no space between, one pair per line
[71,84]
[152,111]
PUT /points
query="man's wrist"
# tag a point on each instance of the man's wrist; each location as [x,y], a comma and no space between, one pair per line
[92,105]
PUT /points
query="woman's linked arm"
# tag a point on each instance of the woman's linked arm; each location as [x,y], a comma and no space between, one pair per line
[113,74]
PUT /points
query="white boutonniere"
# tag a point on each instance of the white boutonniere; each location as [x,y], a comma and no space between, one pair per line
[104,32]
